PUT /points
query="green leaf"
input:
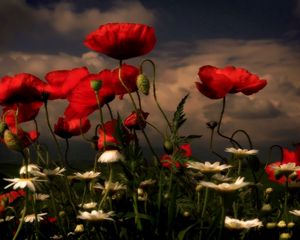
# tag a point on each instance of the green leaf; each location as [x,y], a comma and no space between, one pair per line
[182,233]
[179,116]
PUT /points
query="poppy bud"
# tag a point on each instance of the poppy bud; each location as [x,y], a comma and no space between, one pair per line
[143,84]
[3,127]
[212,124]
[96,85]
[168,147]
[253,162]
[12,141]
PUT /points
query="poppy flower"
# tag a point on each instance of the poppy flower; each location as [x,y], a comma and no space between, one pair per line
[115,135]
[134,121]
[216,82]
[21,88]
[66,128]
[62,82]
[26,112]
[288,157]
[10,197]
[122,40]
[184,151]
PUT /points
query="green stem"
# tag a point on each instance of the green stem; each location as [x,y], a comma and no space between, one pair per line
[60,155]
[203,212]
[285,212]
[106,191]
[101,119]
[110,111]
[222,220]
[154,89]
[23,216]
[220,122]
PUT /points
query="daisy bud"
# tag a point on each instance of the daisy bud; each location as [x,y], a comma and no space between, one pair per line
[266,208]
[79,228]
[12,141]
[268,190]
[186,214]
[281,224]
[3,127]
[96,85]
[285,236]
[168,147]
[291,225]
[143,84]
[270,225]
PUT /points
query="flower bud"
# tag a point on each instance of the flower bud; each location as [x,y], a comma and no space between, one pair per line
[62,213]
[266,208]
[168,147]
[269,190]
[3,127]
[271,225]
[96,85]
[290,224]
[212,124]
[79,228]
[281,224]
[143,84]
[186,214]
[285,236]
[12,141]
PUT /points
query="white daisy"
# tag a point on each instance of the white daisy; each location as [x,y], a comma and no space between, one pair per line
[31,217]
[31,168]
[147,182]
[232,223]
[86,176]
[295,212]
[6,219]
[79,228]
[89,205]
[241,152]
[221,178]
[54,172]
[22,183]
[286,168]
[110,156]
[41,196]
[226,187]
[208,167]
[95,216]
[111,186]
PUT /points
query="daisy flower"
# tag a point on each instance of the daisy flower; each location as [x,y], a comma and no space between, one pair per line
[295,212]
[32,217]
[232,223]
[226,187]
[86,176]
[95,216]
[89,205]
[111,156]
[31,168]
[208,167]
[241,152]
[22,183]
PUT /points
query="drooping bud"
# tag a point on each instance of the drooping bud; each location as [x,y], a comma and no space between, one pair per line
[143,84]
[212,124]
[12,141]
[253,162]
[96,85]
[168,147]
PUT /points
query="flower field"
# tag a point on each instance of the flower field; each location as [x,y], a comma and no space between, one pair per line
[128,194]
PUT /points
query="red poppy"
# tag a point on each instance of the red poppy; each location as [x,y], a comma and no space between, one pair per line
[62,82]
[66,128]
[10,197]
[26,112]
[22,88]
[184,151]
[107,135]
[122,40]
[134,121]
[216,82]
[288,157]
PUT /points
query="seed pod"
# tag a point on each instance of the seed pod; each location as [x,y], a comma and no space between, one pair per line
[143,84]
[168,147]
[12,141]
[96,85]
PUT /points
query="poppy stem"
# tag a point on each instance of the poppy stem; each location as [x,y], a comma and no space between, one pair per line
[154,89]
[101,119]
[110,111]
[220,122]
[60,155]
